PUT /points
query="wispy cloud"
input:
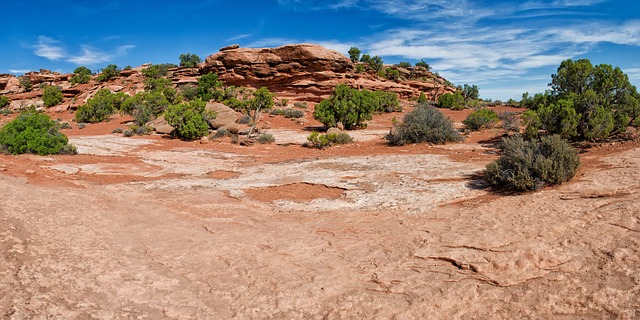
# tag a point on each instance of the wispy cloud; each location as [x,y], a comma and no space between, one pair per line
[53,49]
[49,48]
[19,71]
[305,5]
[241,36]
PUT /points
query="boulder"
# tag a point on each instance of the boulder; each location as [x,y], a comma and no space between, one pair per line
[225,116]
[334,131]
[232,128]
[231,47]
[160,125]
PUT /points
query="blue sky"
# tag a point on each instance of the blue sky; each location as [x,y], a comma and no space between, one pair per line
[504,47]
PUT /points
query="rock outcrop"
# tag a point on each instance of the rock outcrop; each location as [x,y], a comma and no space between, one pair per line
[310,72]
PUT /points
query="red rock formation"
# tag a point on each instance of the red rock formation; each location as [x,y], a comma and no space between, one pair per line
[309,72]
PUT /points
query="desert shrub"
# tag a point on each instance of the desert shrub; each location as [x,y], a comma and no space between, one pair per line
[161,85]
[321,141]
[4,102]
[404,64]
[480,119]
[81,125]
[266,138]
[128,133]
[376,63]
[360,68]
[529,165]
[454,101]
[245,119]
[423,124]
[109,72]
[5,112]
[52,96]
[301,105]
[145,106]
[189,60]
[101,106]
[25,82]
[392,74]
[32,132]
[127,67]
[276,112]
[210,87]
[188,92]
[423,64]
[385,101]
[422,98]
[64,125]
[282,103]
[221,133]
[349,106]
[157,70]
[354,54]
[117,130]
[510,122]
[81,75]
[188,119]
[293,113]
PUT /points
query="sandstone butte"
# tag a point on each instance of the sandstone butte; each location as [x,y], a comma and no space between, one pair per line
[305,71]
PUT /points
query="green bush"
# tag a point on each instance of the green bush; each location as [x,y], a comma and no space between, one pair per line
[349,106]
[480,119]
[188,119]
[454,101]
[4,102]
[157,70]
[385,101]
[510,122]
[392,74]
[354,54]
[301,105]
[423,64]
[210,87]
[52,96]
[109,72]
[145,106]
[585,102]
[188,91]
[100,107]
[161,85]
[529,165]
[266,138]
[423,124]
[422,98]
[322,141]
[189,60]
[293,113]
[80,75]
[404,64]
[33,132]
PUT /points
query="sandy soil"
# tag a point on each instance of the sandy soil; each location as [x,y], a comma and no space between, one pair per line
[155,228]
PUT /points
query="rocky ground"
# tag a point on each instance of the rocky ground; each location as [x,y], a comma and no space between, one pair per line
[151,228]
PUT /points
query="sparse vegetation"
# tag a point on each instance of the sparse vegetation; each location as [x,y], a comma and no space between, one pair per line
[52,96]
[109,72]
[480,119]
[293,113]
[266,138]
[25,83]
[530,165]
[404,64]
[33,132]
[392,74]
[81,75]
[189,60]
[145,106]
[157,70]
[321,141]
[423,64]
[422,98]
[510,122]
[301,105]
[423,124]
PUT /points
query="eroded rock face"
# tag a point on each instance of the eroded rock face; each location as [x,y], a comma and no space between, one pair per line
[308,71]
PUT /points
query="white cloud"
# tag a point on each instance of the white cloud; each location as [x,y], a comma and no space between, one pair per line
[241,36]
[19,71]
[90,56]
[123,50]
[49,48]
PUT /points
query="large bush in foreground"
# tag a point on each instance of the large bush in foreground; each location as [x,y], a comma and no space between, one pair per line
[529,165]
[424,124]
[33,132]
